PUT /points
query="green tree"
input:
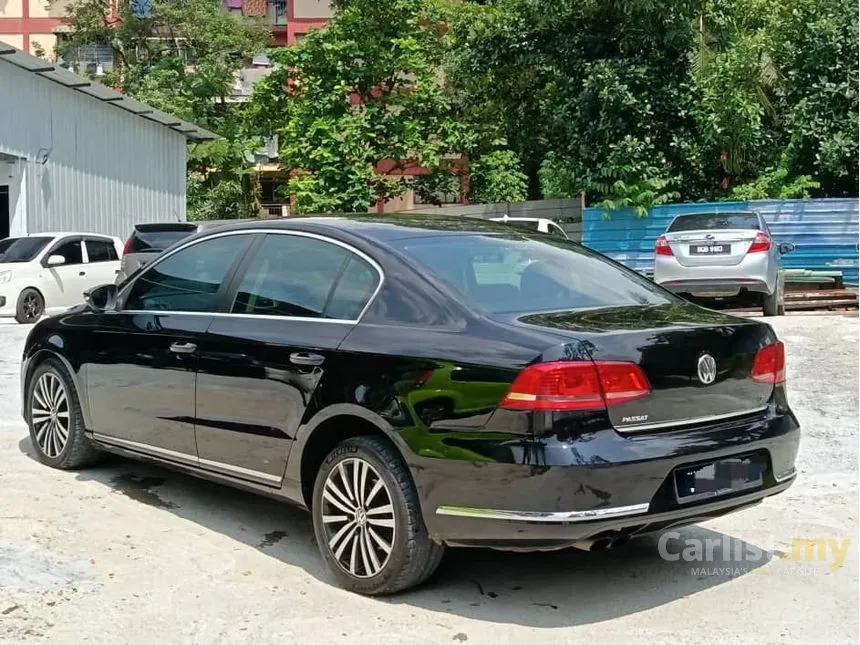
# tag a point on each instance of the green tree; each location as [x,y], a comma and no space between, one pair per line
[496,177]
[817,49]
[364,89]
[593,96]
[182,57]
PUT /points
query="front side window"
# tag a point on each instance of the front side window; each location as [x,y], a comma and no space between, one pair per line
[290,275]
[71,251]
[187,280]
[523,274]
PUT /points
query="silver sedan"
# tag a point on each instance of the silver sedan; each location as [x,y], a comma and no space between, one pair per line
[727,254]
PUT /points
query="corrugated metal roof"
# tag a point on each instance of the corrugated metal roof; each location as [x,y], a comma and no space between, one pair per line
[824,231]
[76,83]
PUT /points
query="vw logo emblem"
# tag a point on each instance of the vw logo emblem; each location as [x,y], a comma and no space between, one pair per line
[707,369]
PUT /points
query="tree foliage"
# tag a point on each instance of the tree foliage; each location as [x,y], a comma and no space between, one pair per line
[637,103]
[631,102]
[364,90]
[182,57]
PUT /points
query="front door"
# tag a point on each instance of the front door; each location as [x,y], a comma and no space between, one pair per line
[65,283]
[141,365]
[293,302]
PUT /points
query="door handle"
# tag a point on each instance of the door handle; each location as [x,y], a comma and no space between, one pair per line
[183,348]
[306,358]
[82,272]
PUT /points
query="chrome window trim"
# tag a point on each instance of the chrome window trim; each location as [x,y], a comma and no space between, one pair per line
[542,516]
[683,422]
[188,459]
[341,321]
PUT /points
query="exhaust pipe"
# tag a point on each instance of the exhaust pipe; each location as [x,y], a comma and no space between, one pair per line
[619,542]
[599,544]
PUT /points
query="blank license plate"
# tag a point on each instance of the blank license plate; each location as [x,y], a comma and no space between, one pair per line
[722,477]
[710,249]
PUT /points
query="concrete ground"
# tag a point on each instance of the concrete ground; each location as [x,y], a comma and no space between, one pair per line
[128,554]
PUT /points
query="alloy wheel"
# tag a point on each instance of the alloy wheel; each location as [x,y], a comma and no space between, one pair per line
[49,414]
[31,306]
[358,517]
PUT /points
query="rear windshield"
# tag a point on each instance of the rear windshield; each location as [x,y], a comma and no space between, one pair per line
[523,274]
[710,221]
[157,239]
[21,249]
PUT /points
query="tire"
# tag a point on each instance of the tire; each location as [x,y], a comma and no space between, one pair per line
[30,307]
[52,402]
[354,547]
[774,304]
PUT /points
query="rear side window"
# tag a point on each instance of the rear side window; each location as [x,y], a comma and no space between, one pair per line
[354,288]
[290,275]
[157,239]
[711,221]
[523,274]
[187,280]
[101,251]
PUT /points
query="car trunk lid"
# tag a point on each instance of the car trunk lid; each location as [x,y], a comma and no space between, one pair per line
[711,247]
[670,344]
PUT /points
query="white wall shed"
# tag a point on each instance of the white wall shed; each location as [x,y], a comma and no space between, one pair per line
[78,156]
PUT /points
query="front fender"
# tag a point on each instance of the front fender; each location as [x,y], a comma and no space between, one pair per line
[49,348]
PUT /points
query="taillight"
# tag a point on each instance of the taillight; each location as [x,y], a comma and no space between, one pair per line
[760,243]
[576,385]
[127,247]
[661,246]
[769,364]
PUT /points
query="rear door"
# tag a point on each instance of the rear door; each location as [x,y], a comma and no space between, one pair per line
[712,239]
[102,260]
[292,302]
[142,360]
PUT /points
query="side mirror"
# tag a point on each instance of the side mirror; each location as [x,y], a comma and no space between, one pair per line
[55,260]
[786,247]
[100,298]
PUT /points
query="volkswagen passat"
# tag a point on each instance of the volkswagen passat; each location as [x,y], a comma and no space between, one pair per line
[419,383]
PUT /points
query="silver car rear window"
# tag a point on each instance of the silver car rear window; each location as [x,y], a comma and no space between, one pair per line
[710,221]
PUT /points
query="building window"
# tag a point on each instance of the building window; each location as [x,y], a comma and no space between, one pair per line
[87,60]
[278,12]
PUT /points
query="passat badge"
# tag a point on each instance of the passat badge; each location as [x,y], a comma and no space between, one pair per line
[707,369]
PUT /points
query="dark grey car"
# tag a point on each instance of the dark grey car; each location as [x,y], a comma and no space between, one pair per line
[148,240]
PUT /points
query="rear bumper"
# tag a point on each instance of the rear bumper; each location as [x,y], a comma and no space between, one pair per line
[601,485]
[716,287]
[754,273]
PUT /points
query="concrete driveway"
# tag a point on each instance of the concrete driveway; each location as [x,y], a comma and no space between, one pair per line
[130,554]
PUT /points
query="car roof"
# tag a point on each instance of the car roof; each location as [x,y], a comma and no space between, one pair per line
[382,228]
[71,234]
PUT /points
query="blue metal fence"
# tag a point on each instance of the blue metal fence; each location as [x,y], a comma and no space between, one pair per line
[824,231]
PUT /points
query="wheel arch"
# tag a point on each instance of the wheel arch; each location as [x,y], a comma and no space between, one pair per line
[31,288]
[321,434]
[37,358]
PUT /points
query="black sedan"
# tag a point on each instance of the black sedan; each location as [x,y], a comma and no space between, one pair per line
[416,383]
